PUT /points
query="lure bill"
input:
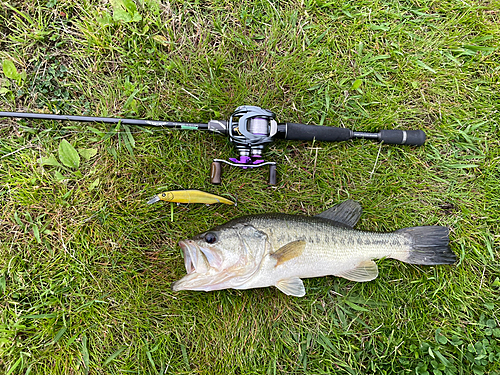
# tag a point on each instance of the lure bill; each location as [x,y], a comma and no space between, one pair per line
[189,196]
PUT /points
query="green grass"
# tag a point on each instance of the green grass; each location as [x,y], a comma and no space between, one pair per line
[86,265]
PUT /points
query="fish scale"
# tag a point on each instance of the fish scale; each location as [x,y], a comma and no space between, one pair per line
[328,238]
[336,249]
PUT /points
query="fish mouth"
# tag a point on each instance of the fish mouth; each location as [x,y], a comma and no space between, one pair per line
[191,254]
[200,275]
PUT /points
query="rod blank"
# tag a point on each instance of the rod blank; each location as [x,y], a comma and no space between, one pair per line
[106,120]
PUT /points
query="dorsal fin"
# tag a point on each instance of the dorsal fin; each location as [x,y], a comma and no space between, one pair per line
[347,213]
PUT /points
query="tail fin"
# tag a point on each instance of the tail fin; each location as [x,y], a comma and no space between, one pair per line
[429,245]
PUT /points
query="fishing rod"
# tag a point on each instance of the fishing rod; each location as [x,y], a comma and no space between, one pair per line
[250,129]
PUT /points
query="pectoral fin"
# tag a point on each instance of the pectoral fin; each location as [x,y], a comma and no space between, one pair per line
[365,271]
[292,287]
[288,251]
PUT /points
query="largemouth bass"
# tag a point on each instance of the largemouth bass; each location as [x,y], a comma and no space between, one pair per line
[277,249]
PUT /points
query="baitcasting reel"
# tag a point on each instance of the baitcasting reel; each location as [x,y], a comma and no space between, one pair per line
[249,128]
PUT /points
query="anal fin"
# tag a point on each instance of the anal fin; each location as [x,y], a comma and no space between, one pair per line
[292,287]
[365,271]
[288,251]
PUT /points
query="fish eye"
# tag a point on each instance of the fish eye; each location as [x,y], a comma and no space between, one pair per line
[210,237]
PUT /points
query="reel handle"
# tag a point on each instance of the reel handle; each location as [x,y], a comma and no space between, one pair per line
[216,170]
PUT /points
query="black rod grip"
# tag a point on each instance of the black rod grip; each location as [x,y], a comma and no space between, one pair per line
[302,132]
[402,137]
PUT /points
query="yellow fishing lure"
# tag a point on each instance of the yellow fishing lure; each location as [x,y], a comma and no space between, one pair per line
[189,196]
